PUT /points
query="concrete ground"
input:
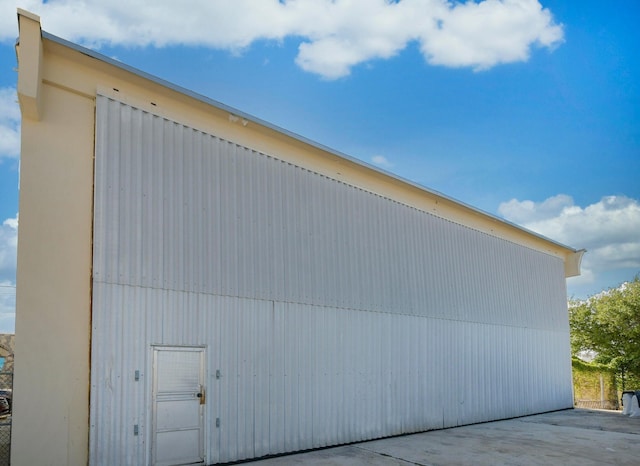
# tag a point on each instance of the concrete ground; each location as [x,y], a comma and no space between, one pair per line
[572,437]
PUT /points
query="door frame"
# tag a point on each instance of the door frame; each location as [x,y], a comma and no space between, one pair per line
[202,349]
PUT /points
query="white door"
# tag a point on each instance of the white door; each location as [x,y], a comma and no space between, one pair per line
[178,406]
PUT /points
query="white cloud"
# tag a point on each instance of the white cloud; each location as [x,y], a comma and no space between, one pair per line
[9,123]
[7,307]
[608,229]
[334,35]
[528,211]
[8,249]
[481,35]
[8,254]
[381,161]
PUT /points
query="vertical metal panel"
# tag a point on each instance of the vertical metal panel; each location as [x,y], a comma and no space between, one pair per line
[202,214]
[332,314]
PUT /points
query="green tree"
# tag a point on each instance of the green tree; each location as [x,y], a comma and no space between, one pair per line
[608,324]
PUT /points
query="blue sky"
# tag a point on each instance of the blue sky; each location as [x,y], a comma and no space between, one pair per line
[527,110]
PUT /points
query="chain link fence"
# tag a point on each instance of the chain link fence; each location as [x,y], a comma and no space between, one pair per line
[6,399]
[598,404]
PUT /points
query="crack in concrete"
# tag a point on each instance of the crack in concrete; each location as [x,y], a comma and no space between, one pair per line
[393,457]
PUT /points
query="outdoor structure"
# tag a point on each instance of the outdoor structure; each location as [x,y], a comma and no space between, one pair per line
[196,285]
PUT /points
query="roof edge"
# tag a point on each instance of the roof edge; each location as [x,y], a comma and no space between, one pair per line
[214,103]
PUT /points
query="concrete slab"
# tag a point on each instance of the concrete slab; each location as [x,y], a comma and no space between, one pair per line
[577,437]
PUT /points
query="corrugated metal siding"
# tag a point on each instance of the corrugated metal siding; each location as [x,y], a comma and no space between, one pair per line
[334,314]
[297,376]
[183,210]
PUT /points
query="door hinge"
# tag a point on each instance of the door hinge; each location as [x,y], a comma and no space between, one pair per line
[217,422]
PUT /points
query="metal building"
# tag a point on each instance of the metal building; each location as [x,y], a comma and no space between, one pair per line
[230,290]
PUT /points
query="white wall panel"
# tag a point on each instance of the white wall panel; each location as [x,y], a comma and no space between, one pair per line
[333,314]
[183,210]
[297,376]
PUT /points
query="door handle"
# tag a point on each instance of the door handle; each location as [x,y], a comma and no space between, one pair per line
[201,396]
